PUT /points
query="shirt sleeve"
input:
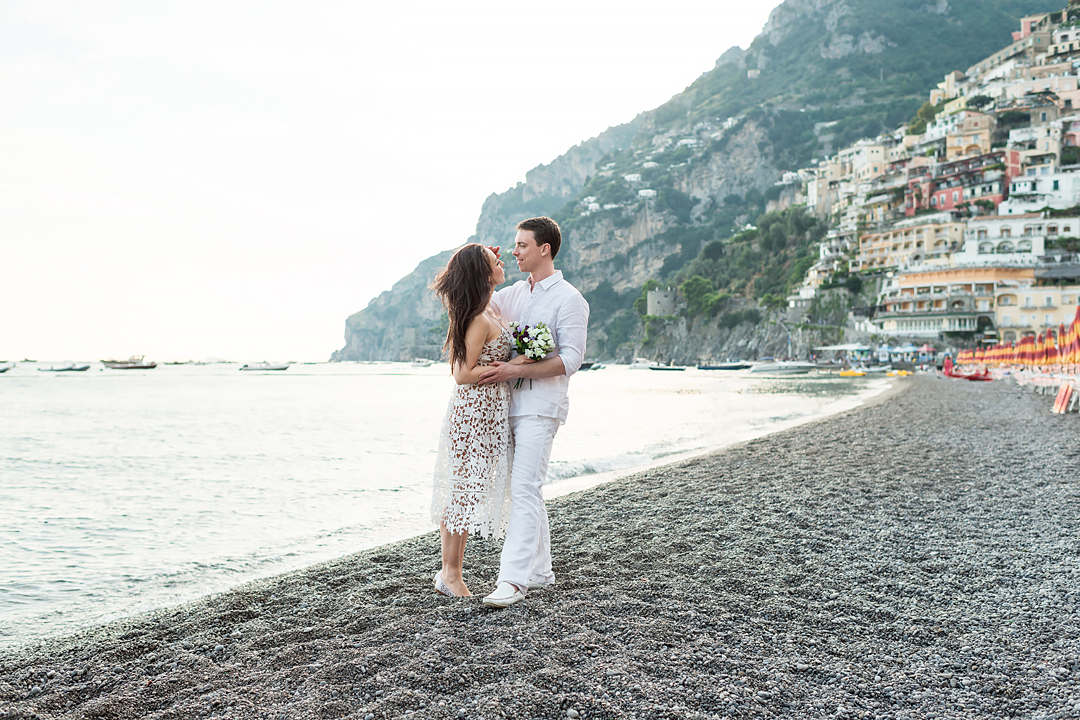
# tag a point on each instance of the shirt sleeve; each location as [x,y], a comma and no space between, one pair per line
[571,327]
[498,299]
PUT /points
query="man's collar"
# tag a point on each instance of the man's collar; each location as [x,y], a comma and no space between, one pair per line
[547,282]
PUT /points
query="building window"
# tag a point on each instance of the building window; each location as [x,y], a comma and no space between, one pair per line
[1057,184]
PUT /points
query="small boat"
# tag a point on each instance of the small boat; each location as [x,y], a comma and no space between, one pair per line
[5,366]
[587,365]
[675,368]
[876,369]
[783,367]
[641,364]
[69,367]
[726,366]
[263,366]
[597,366]
[949,370]
[852,372]
[422,362]
[135,362]
[898,373]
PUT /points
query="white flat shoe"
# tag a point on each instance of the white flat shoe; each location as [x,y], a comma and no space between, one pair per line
[504,595]
[541,582]
[441,587]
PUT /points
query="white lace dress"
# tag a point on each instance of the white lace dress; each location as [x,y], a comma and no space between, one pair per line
[472,472]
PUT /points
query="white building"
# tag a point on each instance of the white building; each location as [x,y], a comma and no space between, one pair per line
[997,239]
[646,193]
[632,178]
[1059,190]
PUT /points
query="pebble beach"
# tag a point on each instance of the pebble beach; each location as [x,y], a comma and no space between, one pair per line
[918,557]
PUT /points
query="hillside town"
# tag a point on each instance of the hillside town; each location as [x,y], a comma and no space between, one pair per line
[968,217]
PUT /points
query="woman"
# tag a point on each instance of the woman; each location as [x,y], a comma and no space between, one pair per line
[472,473]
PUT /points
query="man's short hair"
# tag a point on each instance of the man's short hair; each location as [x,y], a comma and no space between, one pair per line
[545,230]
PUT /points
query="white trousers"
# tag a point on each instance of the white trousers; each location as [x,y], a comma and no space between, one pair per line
[526,553]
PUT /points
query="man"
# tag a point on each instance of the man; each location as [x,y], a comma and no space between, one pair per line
[538,407]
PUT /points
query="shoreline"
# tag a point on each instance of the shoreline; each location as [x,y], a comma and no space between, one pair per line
[26,625]
[578,483]
[865,564]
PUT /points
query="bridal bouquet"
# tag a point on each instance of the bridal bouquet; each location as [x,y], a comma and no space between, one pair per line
[533,342]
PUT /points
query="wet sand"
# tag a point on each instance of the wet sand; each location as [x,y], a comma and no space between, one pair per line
[914,558]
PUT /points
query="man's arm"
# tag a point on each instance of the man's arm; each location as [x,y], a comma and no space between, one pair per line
[571,325]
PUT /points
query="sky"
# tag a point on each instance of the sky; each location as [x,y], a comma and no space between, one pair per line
[191,180]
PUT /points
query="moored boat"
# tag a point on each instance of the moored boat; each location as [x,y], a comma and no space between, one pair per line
[641,364]
[726,366]
[5,366]
[135,362]
[67,367]
[248,367]
[676,368]
[783,367]
[422,362]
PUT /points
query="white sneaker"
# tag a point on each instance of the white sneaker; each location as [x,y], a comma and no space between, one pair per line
[538,583]
[504,595]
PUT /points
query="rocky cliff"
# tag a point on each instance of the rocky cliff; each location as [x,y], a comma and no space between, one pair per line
[643,201]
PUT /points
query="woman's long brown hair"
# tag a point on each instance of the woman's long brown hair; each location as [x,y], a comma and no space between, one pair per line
[465,288]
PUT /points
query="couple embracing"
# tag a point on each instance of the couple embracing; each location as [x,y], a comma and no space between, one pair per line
[496,439]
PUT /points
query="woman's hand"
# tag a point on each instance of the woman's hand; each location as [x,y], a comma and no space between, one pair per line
[522,360]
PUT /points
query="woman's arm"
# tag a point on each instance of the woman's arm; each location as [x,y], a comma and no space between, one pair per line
[467,372]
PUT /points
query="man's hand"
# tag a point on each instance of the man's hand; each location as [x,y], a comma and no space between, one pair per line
[498,372]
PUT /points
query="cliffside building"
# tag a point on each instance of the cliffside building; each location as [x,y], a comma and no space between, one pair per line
[661,302]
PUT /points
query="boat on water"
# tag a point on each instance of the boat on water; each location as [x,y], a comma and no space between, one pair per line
[422,362]
[248,367]
[135,362]
[596,366]
[67,367]
[5,366]
[675,368]
[783,367]
[587,365]
[852,372]
[726,366]
[641,364]
[898,373]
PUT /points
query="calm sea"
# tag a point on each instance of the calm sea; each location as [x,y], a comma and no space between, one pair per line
[122,491]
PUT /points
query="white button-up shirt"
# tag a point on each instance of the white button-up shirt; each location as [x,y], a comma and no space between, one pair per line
[559,305]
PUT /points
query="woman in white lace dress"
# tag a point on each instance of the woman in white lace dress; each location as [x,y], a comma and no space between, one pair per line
[472,473]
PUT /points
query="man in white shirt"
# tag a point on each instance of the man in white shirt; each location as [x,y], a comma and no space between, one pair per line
[538,407]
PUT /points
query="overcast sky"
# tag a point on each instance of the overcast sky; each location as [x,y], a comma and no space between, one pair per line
[233,179]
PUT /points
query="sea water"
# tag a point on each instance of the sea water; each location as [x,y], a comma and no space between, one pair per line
[122,491]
